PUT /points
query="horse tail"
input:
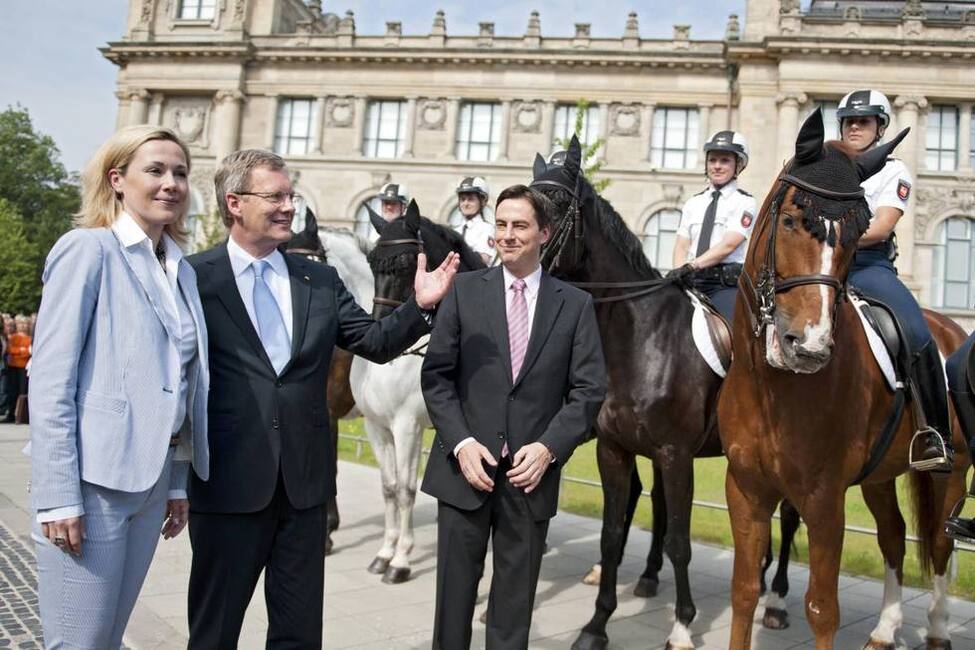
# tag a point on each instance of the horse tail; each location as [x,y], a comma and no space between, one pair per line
[927,524]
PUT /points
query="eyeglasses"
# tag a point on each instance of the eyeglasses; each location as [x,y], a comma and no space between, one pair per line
[274,198]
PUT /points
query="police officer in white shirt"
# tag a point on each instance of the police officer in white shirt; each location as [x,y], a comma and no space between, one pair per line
[715,224]
[864,116]
[394,197]
[477,231]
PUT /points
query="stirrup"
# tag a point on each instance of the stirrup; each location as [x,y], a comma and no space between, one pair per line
[955,515]
[941,464]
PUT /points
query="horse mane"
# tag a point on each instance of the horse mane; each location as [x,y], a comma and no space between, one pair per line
[469,260]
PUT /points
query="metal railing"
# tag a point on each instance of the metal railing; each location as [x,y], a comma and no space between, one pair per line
[360,441]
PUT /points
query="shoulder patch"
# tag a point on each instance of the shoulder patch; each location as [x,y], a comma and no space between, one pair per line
[903,189]
[741,191]
[746,219]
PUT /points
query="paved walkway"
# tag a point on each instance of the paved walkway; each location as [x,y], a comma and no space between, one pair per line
[361,612]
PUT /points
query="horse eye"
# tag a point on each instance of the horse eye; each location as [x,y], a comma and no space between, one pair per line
[789,222]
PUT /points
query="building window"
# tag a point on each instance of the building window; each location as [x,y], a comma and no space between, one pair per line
[293,128]
[941,139]
[971,143]
[565,125]
[363,225]
[830,124]
[674,140]
[479,132]
[659,236]
[953,276]
[385,129]
[197,9]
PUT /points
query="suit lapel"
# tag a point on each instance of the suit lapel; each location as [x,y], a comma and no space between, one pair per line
[497,314]
[152,291]
[547,308]
[225,288]
[300,299]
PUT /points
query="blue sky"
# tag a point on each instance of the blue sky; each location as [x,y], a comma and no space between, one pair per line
[49,61]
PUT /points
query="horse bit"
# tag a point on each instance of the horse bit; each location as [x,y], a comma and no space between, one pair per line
[767,286]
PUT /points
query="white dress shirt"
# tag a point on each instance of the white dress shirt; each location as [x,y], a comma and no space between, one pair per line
[736,213]
[132,237]
[279,282]
[478,234]
[888,188]
[532,282]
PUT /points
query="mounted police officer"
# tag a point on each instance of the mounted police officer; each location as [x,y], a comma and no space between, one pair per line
[477,230]
[715,224]
[394,197]
[863,117]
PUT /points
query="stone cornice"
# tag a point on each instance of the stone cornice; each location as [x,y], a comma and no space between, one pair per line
[778,47]
[121,53]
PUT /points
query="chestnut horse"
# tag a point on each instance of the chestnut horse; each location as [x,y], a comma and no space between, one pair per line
[804,402]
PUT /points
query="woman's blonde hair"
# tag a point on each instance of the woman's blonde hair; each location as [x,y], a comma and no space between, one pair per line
[100,204]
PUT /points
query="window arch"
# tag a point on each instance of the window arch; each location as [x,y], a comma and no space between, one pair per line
[363,226]
[953,272]
[659,236]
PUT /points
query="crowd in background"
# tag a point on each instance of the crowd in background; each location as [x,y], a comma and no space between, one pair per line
[15,350]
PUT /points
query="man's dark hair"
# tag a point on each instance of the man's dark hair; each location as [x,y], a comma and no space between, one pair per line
[541,204]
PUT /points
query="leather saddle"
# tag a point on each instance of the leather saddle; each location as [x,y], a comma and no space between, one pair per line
[884,322]
[719,329]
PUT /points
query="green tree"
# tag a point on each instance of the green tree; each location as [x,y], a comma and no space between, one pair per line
[590,163]
[19,289]
[38,189]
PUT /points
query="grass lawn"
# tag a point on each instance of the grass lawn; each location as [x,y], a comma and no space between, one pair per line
[861,555]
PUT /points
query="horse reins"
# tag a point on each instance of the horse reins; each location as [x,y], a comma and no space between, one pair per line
[760,295]
[392,302]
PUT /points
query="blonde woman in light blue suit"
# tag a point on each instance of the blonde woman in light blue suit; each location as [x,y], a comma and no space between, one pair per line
[118,389]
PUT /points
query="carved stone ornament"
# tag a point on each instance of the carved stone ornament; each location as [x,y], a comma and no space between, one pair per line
[145,14]
[789,6]
[339,112]
[673,193]
[190,118]
[939,202]
[625,119]
[432,115]
[528,117]
[240,9]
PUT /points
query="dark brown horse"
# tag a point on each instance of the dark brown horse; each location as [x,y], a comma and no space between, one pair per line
[805,402]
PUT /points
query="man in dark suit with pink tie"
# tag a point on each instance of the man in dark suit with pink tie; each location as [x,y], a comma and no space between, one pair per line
[513,378]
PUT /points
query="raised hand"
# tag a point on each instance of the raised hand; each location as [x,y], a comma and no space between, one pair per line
[431,286]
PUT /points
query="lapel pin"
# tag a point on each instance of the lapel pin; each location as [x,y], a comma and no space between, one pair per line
[307,279]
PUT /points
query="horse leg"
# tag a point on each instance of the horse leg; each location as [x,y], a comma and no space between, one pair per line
[649,582]
[944,494]
[751,529]
[408,437]
[636,489]
[825,519]
[776,616]
[678,479]
[383,449]
[881,499]
[616,471]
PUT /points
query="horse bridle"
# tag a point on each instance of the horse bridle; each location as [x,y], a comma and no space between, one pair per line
[761,294]
[418,240]
[319,255]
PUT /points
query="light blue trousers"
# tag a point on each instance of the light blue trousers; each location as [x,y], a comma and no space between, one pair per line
[86,601]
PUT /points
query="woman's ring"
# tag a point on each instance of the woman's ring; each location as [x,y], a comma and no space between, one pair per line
[60,541]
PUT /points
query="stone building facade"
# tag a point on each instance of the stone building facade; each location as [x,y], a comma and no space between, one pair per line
[351,112]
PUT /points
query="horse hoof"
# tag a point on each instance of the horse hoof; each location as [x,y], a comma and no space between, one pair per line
[594,575]
[646,588]
[670,646]
[937,644]
[775,619]
[395,575]
[873,644]
[483,618]
[590,641]
[378,566]
[328,545]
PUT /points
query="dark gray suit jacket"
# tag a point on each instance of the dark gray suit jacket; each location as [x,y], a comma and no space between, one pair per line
[468,388]
[262,423]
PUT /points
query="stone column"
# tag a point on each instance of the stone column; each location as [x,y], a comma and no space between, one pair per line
[965,137]
[548,127]
[226,119]
[317,128]
[360,125]
[122,116]
[909,108]
[703,124]
[603,127]
[410,127]
[139,106]
[789,104]
[453,116]
[648,115]
[505,128]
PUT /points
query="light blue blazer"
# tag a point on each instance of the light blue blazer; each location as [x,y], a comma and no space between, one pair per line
[105,374]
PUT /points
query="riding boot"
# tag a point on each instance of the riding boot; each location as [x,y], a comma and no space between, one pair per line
[934,433]
[957,527]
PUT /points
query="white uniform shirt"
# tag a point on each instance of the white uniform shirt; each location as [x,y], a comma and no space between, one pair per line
[891,187]
[736,213]
[479,235]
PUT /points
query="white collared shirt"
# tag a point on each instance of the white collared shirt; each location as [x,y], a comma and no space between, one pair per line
[478,234]
[279,282]
[736,213]
[532,283]
[888,188]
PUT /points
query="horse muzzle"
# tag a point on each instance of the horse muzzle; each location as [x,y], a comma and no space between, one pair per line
[799,351]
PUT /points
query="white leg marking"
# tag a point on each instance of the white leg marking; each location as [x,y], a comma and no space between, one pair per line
[938,614]
[680,636]
[891,616]
[820,335]
[774,601]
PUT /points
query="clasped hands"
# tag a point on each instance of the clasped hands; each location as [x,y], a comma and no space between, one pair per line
[528,466]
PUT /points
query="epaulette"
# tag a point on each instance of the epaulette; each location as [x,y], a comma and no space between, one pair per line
[741,191]
[704,191]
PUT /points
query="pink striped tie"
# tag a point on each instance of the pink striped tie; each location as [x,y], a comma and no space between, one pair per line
[517,333]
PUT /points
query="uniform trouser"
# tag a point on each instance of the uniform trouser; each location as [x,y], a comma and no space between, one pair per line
[722,296]
[961,391]
[230,550]
[518,542]
[875,276]
[85,601]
